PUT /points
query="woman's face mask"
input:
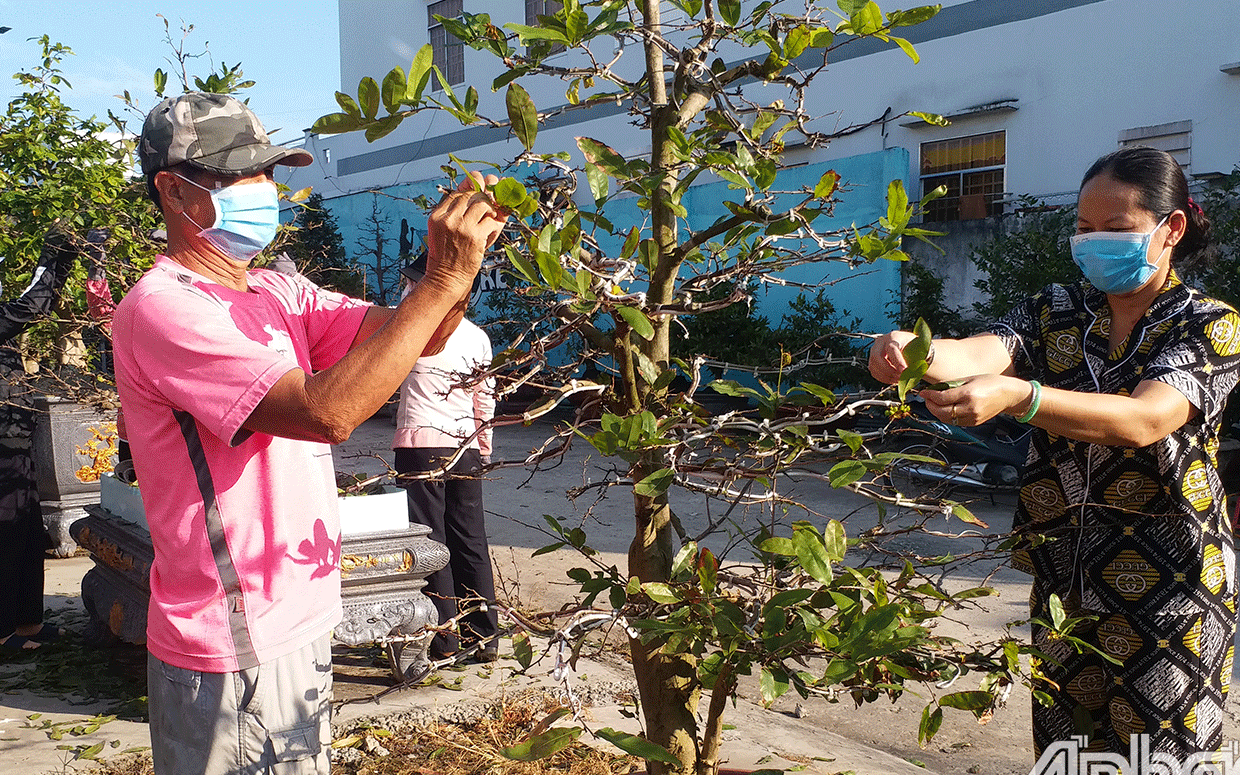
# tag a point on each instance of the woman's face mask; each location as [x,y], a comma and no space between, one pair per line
[1116,262]
[247,216]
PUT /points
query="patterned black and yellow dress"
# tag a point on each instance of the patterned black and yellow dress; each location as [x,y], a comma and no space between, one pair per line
[1137,537]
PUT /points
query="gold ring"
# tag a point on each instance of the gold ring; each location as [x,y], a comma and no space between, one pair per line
[953,414]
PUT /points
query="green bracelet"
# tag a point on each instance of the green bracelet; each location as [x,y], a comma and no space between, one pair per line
[1034,403]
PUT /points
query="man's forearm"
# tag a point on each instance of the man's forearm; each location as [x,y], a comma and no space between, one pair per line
[329,404]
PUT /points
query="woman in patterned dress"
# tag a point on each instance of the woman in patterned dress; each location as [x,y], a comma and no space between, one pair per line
[1124,375]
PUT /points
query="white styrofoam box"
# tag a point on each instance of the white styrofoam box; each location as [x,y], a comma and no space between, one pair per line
[122,500]
[388,510]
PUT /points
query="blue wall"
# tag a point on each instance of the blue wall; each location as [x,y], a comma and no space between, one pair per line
[864,295]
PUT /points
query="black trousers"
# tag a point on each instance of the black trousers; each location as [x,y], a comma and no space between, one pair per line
[23,543]
[452,509]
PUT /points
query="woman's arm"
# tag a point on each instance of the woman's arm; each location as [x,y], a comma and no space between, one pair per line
[1154,409]
[950,358]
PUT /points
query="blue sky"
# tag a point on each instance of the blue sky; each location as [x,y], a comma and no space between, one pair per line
[290,48]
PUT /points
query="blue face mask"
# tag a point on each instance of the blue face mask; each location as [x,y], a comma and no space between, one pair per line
[247,216]
[1115,261]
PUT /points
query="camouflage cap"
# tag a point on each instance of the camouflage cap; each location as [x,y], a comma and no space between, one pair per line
[214,132]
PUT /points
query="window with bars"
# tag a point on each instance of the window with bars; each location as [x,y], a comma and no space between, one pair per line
[448,52]
[536,8]
[1175,138]
[972,169]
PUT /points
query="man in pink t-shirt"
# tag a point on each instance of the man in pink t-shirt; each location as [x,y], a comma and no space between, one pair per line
[233,383]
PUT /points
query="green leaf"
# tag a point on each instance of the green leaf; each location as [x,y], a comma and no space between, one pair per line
[913,15]
[708,571]
[527,34]
[91,752]
[630,242]
[524,267]
[735,180]
[835,540]
[655,484]
[599,182]
[660,592]
[637,746]
[394,89]
[638,321]
[853,440]
[648,254]
[845,473]
[684,558]
[964,515]
[798,40]
[548,549]
[419,74]
[368,97]
[907,48]
[867,20]
[509,193]
[576,23]
[773,685]
[915,354]
[812,554]
[897,204]
[826,396]
[382,127]
[347,104]
[542,746]
[967,700]
[778,545]
[930,723]
[522,114]
[730,10]
[161,82]
[1057,612]
[827,184]
[336,123]
[730,387]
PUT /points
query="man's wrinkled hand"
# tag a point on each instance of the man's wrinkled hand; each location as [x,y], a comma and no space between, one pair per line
[459,231]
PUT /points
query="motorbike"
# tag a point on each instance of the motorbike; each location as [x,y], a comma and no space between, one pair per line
[941,456]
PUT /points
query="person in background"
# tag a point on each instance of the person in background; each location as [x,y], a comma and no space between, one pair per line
[234,382]
[443,416]
[23,540]
[1124,375]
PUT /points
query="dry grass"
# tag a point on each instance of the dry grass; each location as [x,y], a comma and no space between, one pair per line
[452,749]
[444,749]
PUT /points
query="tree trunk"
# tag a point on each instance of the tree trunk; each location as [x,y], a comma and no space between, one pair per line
[667,683]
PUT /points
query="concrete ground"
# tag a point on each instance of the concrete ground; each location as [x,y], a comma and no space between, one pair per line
[812,736]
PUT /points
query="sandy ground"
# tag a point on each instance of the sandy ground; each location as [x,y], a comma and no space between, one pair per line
[517,501]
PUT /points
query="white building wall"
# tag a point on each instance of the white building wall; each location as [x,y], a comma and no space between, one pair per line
[1079,76]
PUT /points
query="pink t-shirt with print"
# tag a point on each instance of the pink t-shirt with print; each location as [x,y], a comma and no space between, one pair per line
[245,525]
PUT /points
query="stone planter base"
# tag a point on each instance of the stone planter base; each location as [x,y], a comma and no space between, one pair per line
[59,516]
[382,577]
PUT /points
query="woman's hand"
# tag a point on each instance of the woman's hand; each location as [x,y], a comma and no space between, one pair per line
[974,400]
[887,360]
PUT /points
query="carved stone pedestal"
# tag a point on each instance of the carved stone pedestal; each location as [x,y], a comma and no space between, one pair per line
[61,428]
[382,577]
